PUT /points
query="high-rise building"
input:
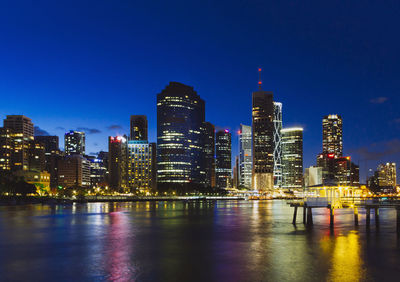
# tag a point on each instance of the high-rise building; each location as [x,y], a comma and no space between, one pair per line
[180,116]
[236,173]
[98,172]
[223,165]
[277,145]
[139,128]
[21,132]
[51,143]
[74,142]
[6,149]
[263,140]
[292,158]
[117,163]
[140,166]
[346,172]
[245,156]
[209,154]
[73,172]
[332,135]
[384,179]
[37,157]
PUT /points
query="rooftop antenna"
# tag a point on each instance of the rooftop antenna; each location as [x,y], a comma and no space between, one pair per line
[259,79]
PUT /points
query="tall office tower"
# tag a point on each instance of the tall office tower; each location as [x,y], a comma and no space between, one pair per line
[277,145]
[97,172]
[180,116]
[292,158]
[346,172]
[236,173]
[21,134]
[245,156]
[51,143]
[263,141]
[117,163]
[153,147]
[209,154]
[332,135]
[139,128]
[223,165]
[37,156]
[6,149]
[74,171]
[140,166]
[74,143]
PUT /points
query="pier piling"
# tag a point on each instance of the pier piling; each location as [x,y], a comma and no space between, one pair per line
[309,216]
[368,215]
[355,216]
[294,215]
[332,216]
[304,214]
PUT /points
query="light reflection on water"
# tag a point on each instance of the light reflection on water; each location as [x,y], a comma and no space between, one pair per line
[195,241]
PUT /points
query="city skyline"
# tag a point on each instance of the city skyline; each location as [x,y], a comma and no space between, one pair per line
[97,64]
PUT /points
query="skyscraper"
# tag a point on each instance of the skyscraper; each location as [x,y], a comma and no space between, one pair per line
[277,145]
[51,143]
[209,154]
[74,142]
[180,116]
[384,179]
[263,140]
[140,166]
[21,132]
[74,171]
[223,165]
[139,128]
[6,149]
[292,158]
[245,156]
[332,135]
[117,163]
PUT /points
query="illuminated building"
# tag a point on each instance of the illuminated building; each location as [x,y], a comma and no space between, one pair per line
[117,163]
[277,145]
[180,116]
[346,172]
[51,143]
[223,166]
[263,140]
[209,154]
[41,179]
[6,148]
[140,166]
[384,179]
[98,171]
[74,142]
[139,128]
[292,158]
[74,171]
[313,176]
[21,134]
[332,135]
[245,156]
[36,156]
[236,173]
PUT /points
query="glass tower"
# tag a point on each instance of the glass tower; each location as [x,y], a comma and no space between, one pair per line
[277,145]
[292,158]
[223,165]
[245,156]
[74,142]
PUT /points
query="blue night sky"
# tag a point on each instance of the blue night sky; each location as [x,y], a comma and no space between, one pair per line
[91,64]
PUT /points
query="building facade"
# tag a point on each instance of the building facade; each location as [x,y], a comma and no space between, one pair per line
[223,155]
[245,165]
[180,116]
[209,154]
[117,163]
[313,176]
[74,172]
[332,135]
[139,128]
[263,140]
[292,158]
[74,142]
[277,145]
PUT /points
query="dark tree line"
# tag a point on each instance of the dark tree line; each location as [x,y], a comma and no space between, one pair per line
[15,185]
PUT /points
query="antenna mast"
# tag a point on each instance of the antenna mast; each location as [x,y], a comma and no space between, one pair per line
[259,79]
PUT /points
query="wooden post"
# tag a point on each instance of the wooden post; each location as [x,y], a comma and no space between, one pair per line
[368,210]
[294,215]
[332,216]
[309,216]
[355,216]
[377,217]
[304,214]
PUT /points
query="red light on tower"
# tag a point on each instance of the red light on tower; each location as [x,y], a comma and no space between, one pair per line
[331,156]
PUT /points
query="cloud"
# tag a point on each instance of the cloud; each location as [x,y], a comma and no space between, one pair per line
[95,144]
[60,128]
[378,151]
[379,100]
[89,130]
[114,127]
[93,153]
[40,132]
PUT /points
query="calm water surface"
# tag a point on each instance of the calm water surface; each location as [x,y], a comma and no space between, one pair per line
[203,241]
